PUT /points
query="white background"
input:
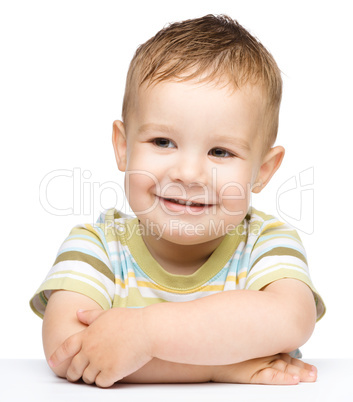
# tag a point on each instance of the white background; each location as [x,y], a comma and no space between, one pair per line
[63,67]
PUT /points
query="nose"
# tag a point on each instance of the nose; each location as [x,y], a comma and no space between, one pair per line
[189,169]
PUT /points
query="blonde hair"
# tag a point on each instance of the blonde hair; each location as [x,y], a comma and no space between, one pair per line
[210,48]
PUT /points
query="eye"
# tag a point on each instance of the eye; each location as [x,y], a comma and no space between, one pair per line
[220,153]
[163,143]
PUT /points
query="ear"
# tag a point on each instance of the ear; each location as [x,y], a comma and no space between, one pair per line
[119,144]
[271,162]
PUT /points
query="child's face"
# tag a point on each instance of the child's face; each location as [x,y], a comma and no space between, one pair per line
[188,142]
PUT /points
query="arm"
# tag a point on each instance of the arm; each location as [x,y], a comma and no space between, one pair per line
[233,326]
[280,369]
[60,322]
[280,318]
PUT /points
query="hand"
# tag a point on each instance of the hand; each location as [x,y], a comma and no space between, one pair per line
[113,346]
[280,369]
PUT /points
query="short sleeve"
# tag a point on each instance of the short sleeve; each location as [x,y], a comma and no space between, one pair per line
[82,265]
[279,253]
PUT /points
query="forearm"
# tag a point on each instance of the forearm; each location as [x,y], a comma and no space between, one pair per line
[60,322]
[225,328]
[280,369]
[160,371]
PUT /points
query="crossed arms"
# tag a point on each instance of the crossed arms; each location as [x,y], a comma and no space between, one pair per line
[202,340]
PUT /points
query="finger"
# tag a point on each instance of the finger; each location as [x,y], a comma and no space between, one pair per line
[308,372]
[88,316]
[105,380]
[292,360]
[273,376]
[66,350]
[303,365]
[77,367]
[297,368]
[90,374]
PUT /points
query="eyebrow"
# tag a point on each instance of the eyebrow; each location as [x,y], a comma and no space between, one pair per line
[236,141]
[156,127]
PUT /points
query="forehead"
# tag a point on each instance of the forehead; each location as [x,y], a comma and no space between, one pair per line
[193,106]
[223,98]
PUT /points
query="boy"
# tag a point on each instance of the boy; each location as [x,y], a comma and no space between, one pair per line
[200,117]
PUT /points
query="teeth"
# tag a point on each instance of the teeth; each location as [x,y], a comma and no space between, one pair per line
[182,202]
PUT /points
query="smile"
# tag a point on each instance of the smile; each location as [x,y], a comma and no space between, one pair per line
[183,202]
[184,206]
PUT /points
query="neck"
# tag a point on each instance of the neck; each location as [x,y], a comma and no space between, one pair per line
[180,259]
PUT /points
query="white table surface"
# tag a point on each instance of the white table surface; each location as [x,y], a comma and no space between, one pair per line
[32,380]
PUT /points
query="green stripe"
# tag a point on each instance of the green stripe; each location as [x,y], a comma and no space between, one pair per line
[82,257]
[281,251]
[76,286]
[278,233]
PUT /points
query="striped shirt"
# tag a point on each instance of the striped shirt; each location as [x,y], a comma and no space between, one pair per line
[110,263]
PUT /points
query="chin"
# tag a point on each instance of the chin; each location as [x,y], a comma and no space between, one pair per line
[184,239]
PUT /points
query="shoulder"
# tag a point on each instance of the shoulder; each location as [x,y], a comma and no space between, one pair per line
[275,251]
[259,221]
[268,236]
[262,227]
[95,243]
[110,226]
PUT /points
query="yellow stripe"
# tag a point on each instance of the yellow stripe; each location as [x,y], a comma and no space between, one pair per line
[143,284]
[91,278]
[272,225]
[258,273]
[150,285]
[213,288]
[134,299]
[236,278]
[125,283]
[231,278]
[122,284]
[242,275]
[209,288]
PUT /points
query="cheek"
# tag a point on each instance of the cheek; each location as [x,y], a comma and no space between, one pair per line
[140,179]
[140,186]
[234,193]
[233,196]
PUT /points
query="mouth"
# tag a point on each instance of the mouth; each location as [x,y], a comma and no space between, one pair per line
[177,205]
[187,203]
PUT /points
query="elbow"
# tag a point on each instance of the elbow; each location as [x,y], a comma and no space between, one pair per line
[300,328]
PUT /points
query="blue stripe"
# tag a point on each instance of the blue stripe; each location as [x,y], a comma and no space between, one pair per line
[279,236]
[85,237]
[102,238]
